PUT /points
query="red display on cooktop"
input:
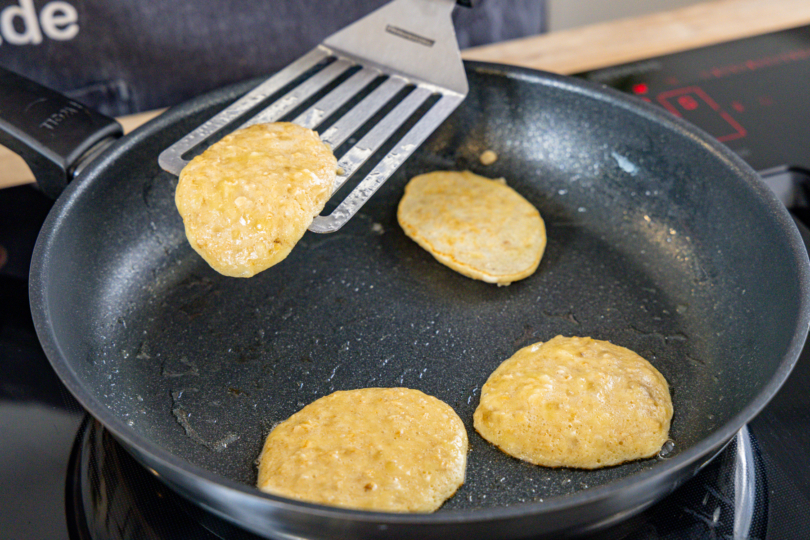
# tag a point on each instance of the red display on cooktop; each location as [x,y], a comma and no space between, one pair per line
[693,101]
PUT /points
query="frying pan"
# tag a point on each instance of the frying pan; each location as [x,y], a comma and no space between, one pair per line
[660,240]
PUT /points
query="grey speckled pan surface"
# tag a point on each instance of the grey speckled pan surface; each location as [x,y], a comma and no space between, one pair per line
[659,240]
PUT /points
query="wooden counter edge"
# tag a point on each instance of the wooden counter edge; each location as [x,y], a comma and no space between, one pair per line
[628,40]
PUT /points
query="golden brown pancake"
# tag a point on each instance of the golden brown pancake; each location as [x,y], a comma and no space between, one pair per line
[479,227]
[384,449]
[249,198]
[575,402]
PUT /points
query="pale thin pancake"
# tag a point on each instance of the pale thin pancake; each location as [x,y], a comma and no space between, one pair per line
[575,402]
[249,198]
[479,227]
[384,449]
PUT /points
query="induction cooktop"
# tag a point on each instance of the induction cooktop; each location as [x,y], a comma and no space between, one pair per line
[751,94]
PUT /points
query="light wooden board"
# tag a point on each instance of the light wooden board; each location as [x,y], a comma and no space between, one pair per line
[628,40]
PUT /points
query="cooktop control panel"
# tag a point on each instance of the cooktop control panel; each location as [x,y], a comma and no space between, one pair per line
[752,94]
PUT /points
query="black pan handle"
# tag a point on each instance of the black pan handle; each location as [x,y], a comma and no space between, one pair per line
[467,3]
[53,134]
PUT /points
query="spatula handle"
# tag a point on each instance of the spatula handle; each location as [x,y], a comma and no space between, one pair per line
[51,132]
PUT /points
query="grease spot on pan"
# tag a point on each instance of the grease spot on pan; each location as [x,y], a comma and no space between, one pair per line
[183,418]
[625,164]
[667,450]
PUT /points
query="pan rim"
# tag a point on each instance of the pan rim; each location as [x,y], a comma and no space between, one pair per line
[705,449]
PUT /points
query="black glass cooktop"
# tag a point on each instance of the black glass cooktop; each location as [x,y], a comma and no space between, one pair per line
[751,94]
[63,476]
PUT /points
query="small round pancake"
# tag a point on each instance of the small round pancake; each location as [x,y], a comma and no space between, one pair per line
[249,198]
[479,227]
[383,449]
[575,402]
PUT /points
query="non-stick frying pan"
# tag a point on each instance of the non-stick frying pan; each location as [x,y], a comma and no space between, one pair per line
[660,240]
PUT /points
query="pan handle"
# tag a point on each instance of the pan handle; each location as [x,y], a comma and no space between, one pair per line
[52,133]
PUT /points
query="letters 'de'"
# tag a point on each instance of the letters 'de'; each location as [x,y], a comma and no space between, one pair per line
[21,25]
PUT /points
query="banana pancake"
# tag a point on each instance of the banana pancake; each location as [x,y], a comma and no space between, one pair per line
[250,197]
[383,449]
[575,402]
[479,227]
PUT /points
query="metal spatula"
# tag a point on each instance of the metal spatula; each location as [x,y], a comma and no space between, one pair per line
[406,51]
